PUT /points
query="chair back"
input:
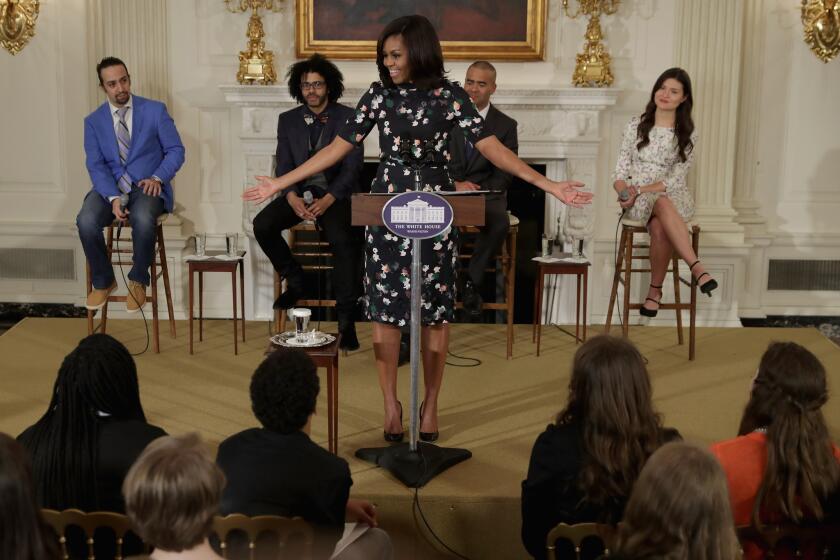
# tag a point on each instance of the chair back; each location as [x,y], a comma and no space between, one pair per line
[88,523]
[294,536]
[793,541]
[577,534]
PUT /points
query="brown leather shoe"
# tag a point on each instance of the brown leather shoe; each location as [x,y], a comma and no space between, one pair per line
[136,297]
[97,297]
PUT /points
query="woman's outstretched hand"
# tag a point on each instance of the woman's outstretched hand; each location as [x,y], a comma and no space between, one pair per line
[265,188]
[568,193]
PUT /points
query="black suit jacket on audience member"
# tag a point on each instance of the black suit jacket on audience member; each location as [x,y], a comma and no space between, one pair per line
[270,473]
[293,149]
[478,169]
[550,493]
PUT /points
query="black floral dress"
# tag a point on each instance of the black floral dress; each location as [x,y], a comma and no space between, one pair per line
[426,118]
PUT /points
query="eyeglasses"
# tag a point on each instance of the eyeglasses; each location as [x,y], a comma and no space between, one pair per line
[312,85]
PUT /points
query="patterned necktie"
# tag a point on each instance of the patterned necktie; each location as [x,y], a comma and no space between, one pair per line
[124,143]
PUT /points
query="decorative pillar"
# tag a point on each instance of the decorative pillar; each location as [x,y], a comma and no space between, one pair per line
[744,198]
[709,48]
[133,31]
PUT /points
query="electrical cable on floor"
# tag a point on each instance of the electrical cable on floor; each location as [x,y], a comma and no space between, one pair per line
[476,361]
[415,507]
[125,283]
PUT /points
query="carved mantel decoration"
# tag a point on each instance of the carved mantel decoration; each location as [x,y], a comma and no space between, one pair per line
[821,20]
[17,23]
[593,64]
[256,65]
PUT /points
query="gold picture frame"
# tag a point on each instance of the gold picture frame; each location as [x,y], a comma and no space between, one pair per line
[523,39]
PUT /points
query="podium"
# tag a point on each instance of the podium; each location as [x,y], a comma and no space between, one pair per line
[415,463]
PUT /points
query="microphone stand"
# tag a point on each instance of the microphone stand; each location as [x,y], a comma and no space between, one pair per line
[415,463]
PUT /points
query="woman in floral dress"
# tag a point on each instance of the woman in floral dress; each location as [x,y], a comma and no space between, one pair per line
[656,153]
[412,101]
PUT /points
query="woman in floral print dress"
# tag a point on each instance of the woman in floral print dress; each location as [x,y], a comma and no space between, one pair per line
[412,101]
[653,161]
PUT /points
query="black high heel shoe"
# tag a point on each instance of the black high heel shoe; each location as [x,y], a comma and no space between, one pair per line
[651,312]
[398,437]
[708,286]
[427,436]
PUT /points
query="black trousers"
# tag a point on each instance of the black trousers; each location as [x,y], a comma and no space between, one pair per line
[345,244]
[490,236]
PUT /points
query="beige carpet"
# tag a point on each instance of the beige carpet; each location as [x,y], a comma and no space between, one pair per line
[496,410]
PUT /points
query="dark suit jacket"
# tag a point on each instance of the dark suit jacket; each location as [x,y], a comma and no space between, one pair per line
[293,149]
[478,169]
[551,495]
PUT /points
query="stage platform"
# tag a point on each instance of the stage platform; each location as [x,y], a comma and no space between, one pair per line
[496,409]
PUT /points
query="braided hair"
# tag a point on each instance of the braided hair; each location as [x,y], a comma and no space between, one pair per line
[786,400]
[96,380]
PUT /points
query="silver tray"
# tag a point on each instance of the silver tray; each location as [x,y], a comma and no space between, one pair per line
[289,339]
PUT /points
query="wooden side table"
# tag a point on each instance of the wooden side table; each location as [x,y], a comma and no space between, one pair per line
[581,271]
[216,264]
[326,357]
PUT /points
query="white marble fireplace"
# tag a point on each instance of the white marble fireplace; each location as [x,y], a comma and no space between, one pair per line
[560,128]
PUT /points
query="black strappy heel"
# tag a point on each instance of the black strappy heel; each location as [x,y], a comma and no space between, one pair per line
[709,285]
[651,312]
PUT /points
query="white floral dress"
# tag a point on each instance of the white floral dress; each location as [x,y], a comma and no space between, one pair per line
[405,112]
[658,161]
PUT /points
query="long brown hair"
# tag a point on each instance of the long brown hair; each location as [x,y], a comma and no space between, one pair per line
[683,125]
[610,399]
[679,509]
[786,400]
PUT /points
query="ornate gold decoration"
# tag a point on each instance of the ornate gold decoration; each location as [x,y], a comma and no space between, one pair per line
[593,64]
[17,23]
[256,65]
[821,20]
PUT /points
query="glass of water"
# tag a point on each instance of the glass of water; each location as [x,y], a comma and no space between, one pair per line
[301,316]
[232,241]
[200,244]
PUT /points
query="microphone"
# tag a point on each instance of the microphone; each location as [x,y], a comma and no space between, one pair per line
[624,196]
[123,205]
[307,198]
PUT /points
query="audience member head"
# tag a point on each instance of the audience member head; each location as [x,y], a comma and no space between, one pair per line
[172,493]
[315,64]
[610,400]
[408,50]
[23,534]
[672,87]
[97,380]
[284,389]
[679,509]
[786,402]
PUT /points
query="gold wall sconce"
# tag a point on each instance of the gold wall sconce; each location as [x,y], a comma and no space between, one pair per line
[821,20]
[256,64]
[592,68]
[17,23]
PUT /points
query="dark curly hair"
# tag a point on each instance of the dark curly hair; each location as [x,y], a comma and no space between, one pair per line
[315,63]
[683,125]
[107,62]
[284,389]
[425,57]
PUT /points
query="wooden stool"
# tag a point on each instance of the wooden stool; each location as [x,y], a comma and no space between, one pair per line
[158,260]
[581,272]
[217,265]
[318,250]
[507,260]
[624,267]
[326,356]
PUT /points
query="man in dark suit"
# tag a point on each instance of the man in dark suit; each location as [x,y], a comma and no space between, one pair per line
[279,470]
[301,132]
[132,151]
[472,171]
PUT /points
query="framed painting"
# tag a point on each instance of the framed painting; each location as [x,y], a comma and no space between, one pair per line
[468,29]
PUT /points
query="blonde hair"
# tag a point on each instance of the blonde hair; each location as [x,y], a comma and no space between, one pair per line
[679,509]
[172,493]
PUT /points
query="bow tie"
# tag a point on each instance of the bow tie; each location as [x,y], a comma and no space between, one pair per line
[321,117]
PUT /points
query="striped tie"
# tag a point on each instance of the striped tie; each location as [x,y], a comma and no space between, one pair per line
[124,143]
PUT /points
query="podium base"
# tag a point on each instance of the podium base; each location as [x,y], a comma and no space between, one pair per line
[414,468]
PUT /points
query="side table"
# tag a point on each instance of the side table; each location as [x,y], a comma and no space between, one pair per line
[581,271]
[326,356]
[217,262]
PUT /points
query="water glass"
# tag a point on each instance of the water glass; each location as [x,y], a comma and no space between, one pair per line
[232,240]
[200,244]
[301,316]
